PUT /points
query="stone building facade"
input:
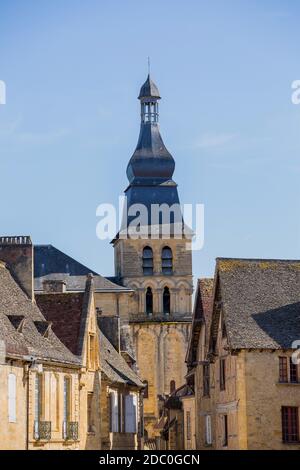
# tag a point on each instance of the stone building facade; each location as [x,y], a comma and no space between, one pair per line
[241,350]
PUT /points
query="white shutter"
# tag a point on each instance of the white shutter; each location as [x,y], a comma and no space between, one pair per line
[130,413]
[114,411]
[208,429]
[12,398]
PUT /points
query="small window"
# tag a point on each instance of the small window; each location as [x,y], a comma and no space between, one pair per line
[166,301]
[12,398]
[172,386]
[167,260]
[114,412]
[208,438]
[146,389]
[222,374]
[225,431]
[283,369]
[188,426]
[149,301]
[206,380]
[131,413]
[147,261]
[90,423]
[67,399]
[293,371]
[290,424]
[92,352]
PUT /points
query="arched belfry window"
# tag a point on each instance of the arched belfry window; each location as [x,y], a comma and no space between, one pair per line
[167,260]
[166,301]
[172,386]
[147,261]
[149,301]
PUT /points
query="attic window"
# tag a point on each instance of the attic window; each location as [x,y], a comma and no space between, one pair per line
[43,327]
[17,321]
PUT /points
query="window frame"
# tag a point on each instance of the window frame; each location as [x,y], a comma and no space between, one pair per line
[290,424]
[222,372]
[283,369]
[206,379]
[147,264]
[167,267]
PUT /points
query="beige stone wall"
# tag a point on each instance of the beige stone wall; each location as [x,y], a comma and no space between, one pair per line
[13,435]
[52,406]
[188,404]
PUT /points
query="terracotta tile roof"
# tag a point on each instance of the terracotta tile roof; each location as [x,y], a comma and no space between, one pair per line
[260,300]
[19,317]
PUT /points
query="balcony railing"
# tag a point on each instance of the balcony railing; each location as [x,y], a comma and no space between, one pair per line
[70,430]
[42,430]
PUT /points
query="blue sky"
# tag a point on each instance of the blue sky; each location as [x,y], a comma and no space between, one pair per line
[73,70]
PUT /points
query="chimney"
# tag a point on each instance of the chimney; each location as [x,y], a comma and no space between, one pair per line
[17,253]
[110,327]
[54,286]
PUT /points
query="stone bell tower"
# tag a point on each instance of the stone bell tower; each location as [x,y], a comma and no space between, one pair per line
[156,263]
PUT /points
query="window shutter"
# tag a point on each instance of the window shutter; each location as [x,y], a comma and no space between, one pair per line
[208,429]
[114,411]
[130,413]
[12,418]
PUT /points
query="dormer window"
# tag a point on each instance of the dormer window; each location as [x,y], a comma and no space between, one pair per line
[147,261]
[167,260]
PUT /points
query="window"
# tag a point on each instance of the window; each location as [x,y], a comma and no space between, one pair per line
[67,399]
[38,397]
[166,301]
[92,352]
[146,389]
[131,413]
[172,386]
[206,380]
[12,398]
[149,301]
[90,423]
[188,426]
[293,371]
[208,439]
[283,369]
[290,424]
[225,431]
[55,401]
[38,404]
[222,374]
[167,260]
[147,261]
[114,411]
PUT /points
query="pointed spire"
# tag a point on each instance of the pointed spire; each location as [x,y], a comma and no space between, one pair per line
[149,90]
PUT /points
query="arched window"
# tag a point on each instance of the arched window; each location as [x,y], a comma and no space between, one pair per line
[149,301]
[166,301]
[146,389]
[167,260]
[172,386]
[147,261]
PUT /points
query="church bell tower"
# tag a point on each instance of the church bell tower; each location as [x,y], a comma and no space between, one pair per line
[157,268]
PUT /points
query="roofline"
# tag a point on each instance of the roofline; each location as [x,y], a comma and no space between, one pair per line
[259,260]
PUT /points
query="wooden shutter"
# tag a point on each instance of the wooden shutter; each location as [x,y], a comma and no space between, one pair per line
[208,429]
[130,413]
[12,398]
[114,411]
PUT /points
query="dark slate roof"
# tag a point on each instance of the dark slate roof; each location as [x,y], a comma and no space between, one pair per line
[202,314]
[260,300]
[149,89]
[52,264]
[114,366]
[23,328]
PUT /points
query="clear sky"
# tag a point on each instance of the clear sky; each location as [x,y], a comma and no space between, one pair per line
[224,69]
